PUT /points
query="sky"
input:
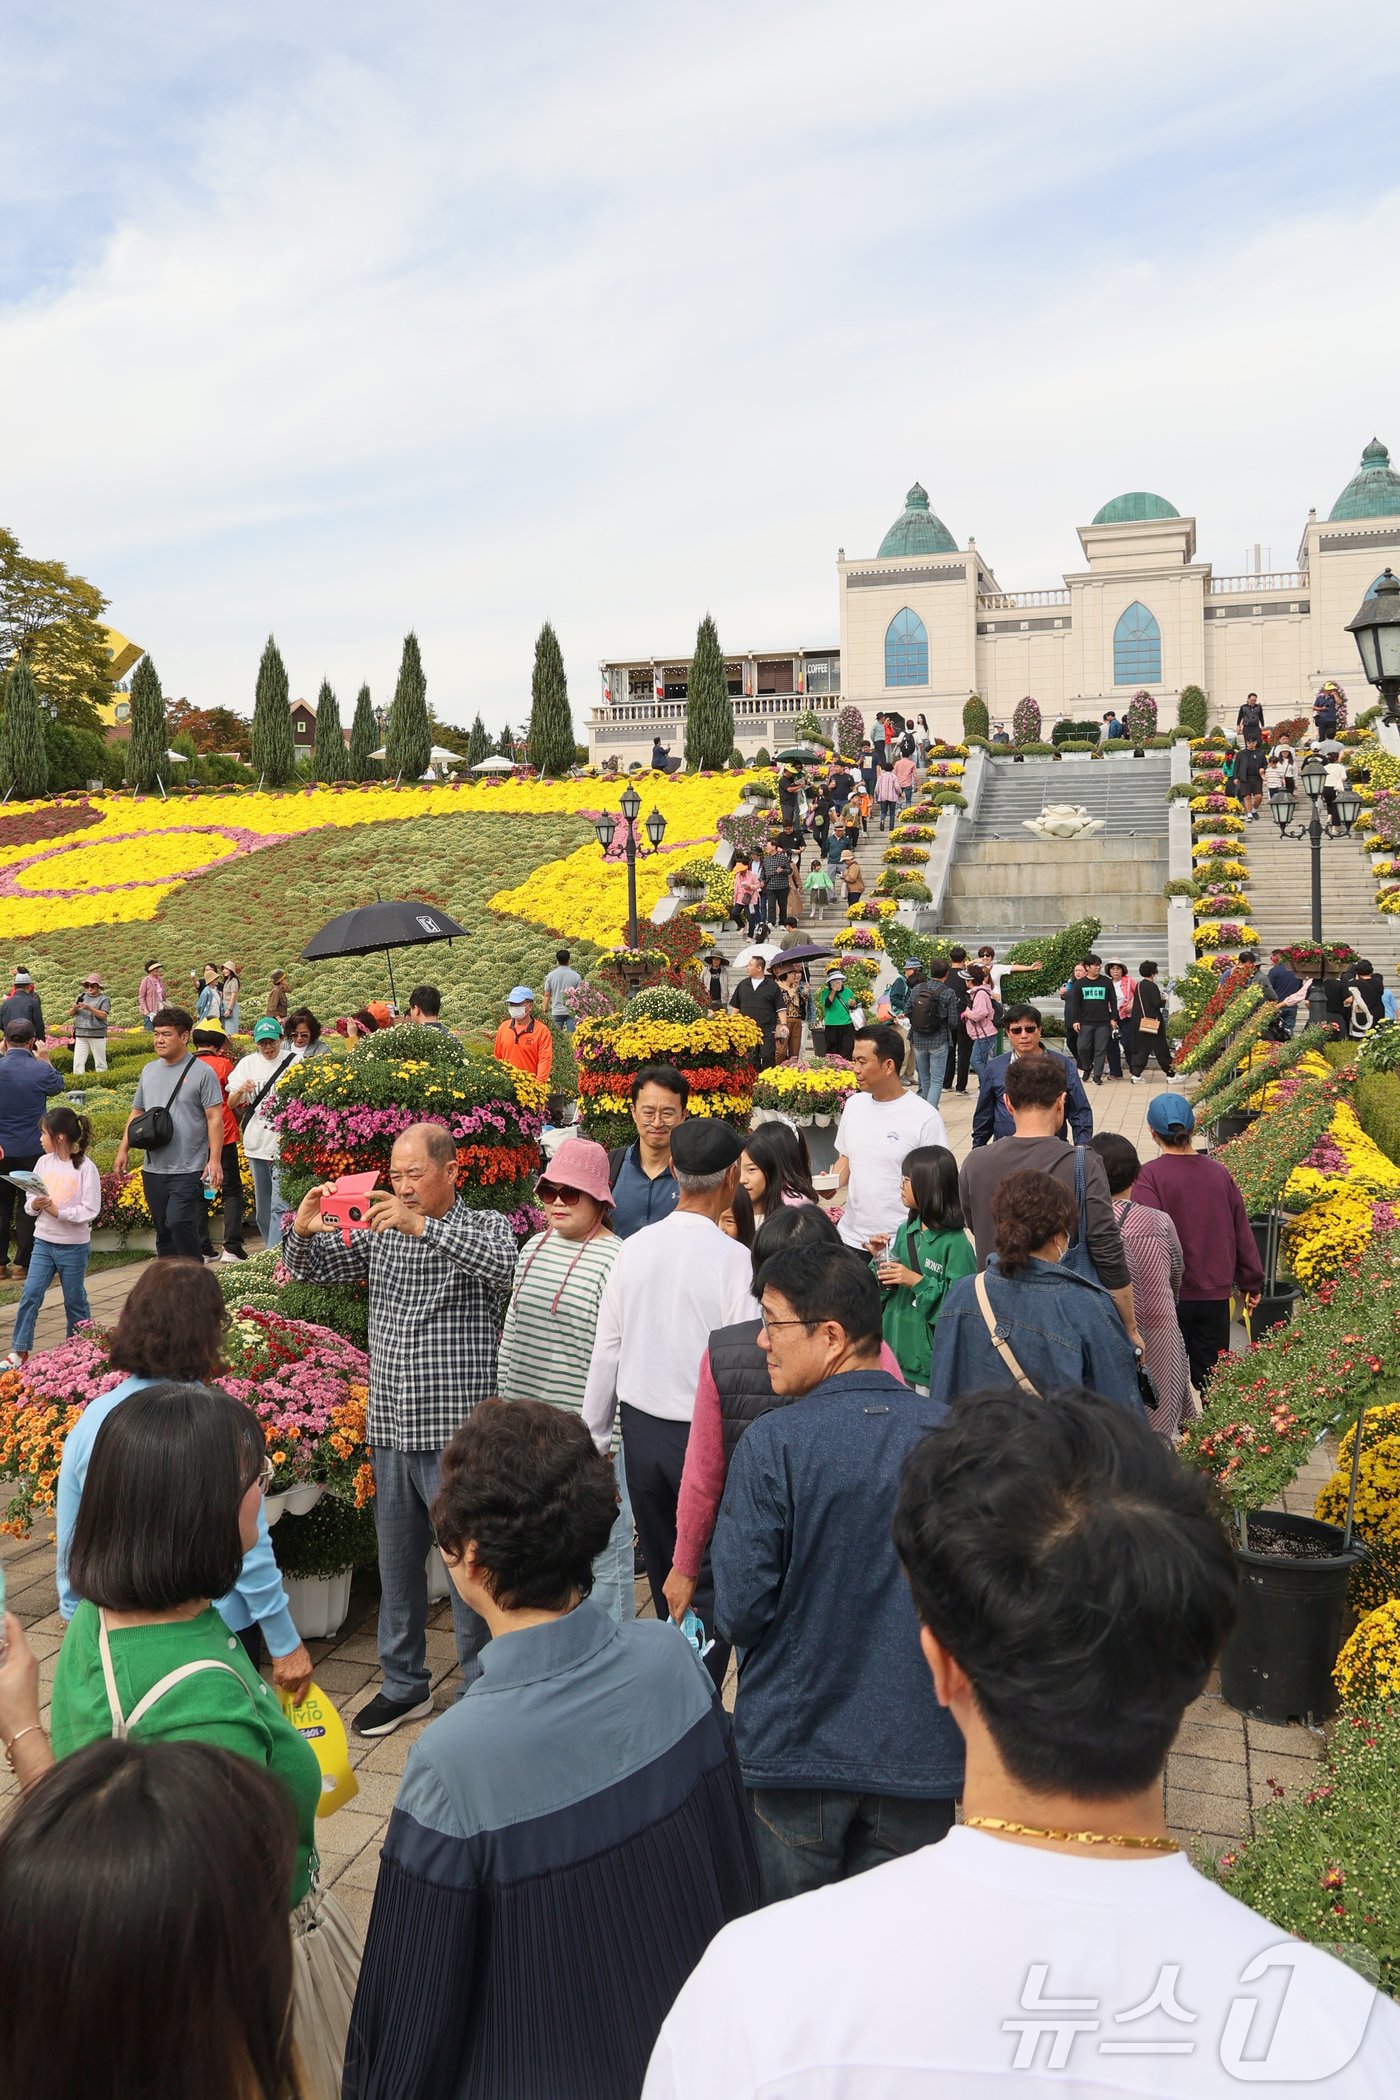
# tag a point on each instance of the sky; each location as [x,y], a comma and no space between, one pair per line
[333,321]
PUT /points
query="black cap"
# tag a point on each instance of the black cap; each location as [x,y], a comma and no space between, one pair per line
[703,1145]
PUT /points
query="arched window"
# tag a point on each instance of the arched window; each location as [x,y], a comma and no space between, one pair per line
[906,650]
[1137,648]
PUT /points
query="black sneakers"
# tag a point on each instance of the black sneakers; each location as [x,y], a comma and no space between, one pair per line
[382,1716]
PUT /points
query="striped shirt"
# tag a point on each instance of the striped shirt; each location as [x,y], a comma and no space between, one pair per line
[552,1318]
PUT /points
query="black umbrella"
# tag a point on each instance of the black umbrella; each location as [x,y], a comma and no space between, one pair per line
[807,954]
[370,927]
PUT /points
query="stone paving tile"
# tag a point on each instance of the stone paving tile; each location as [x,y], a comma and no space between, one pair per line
[1209,1775]
[1188,1810]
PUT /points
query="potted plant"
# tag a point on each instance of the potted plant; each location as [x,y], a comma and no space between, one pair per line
[318,1554]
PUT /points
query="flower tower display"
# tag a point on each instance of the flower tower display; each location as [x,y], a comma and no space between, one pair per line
[1141,719]
[341,1114]
[718,1054]
[1025,722]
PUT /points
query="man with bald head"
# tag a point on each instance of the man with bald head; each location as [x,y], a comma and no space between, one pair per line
[439,1276]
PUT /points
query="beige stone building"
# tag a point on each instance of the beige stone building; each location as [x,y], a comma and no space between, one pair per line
[924,623]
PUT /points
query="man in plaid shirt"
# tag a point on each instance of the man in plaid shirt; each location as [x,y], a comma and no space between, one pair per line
[439,1277]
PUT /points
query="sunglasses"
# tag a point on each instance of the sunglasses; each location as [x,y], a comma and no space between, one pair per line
[551,1192]
[1023,1028]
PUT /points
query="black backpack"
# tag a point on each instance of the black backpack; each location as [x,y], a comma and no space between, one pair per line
[906,744]
[928,1010]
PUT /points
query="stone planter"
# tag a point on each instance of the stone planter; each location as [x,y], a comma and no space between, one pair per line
[686,893]
[319,1603]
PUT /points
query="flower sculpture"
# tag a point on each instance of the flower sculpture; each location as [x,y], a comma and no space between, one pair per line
[1063,820]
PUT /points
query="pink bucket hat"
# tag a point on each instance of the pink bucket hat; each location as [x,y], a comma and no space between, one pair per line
[582,1164]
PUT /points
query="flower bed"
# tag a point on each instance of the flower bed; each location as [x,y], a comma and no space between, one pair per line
[307,1386]
[1376,1581]
[1235,997]
[718,1054]
[341,1115]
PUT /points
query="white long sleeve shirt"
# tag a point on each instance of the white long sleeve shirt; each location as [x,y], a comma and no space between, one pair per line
[672,1284]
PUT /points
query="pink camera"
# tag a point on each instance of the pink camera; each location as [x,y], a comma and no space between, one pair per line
[347,1202]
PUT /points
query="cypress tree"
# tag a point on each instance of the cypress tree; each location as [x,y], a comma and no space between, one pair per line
[274,757]
[505,748]
[551,734]
[146,762]
[478,742]
[407,738]
[24,762]
[364,739]
[328,752]
[709,713]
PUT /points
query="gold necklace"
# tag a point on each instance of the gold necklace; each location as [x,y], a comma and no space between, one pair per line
[1070,1837]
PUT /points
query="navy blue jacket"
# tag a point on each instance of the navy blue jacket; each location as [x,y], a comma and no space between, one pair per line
[992,1118]
[1062,1329]
[27,1085]
[833,1688]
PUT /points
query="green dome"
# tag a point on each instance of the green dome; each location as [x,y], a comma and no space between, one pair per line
[917,530]
[1374,489]
[1135,509]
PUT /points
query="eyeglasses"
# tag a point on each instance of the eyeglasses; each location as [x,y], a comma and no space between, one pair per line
[660,1115]
[550,1192]
[768,1325]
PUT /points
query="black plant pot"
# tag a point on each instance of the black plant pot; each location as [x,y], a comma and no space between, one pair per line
[1275,1310]
[1230,1126]
[1260,1228]
[1277,1664]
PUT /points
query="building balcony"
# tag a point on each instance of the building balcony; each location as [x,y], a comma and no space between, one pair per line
[1020,601]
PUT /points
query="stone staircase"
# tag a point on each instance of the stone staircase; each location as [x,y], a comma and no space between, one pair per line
[1006,885]
[1280,896]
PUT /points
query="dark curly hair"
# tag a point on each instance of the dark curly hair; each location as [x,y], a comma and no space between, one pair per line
[523,1483]
[1027,1210]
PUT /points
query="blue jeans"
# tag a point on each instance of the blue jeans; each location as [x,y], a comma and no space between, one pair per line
[568,1022]
[981,1055]
[405,1483]
[806,1837]
[613,1580]
[267,1200]
[930,1061]
[69,1265]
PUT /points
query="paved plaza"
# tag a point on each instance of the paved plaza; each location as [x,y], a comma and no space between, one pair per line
[1222,1771]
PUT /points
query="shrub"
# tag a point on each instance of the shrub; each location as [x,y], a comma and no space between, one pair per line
[761,757]
[1141,718]
[663,1003]
[329,1539]
[1191,710]
[1057,957]
[976,721]
[1025,722]
[1377,1103]
[906,887]
[1075,733]
[736,758]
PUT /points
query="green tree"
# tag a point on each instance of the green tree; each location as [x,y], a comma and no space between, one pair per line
[77,756]
[407,736]
[24,764]
[146,761]
[478,742]
[274,758]
[364,739]
[1191,710]
[709,713]
[54,618]
[328,752]
[976,721]
[551,733]
[505,745]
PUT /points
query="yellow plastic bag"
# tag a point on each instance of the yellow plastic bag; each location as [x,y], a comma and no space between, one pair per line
[316,1718]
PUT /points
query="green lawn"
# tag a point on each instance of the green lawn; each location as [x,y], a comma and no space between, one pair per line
[261,908]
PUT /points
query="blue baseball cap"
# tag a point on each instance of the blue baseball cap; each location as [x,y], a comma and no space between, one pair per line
[1170,1115]
[518,995]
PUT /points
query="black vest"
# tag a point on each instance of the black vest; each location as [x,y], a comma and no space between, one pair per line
[740,1371]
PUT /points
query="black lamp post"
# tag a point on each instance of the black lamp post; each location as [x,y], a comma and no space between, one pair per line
[1377,631]
[1311,774]
[606,830]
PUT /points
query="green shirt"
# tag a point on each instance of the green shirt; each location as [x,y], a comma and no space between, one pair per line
[208,1707]
[911,1309]
[835,1007]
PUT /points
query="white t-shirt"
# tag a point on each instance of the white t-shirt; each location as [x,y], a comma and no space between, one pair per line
[981,1970]
[260,1138]
[877,1137]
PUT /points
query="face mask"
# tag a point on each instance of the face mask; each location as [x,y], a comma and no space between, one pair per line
[517,1013]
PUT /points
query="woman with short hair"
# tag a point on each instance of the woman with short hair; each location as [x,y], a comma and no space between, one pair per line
[1026,1321]
[144,1891]
[570,1835]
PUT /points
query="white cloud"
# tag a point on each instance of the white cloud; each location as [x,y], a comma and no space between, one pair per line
[619,313]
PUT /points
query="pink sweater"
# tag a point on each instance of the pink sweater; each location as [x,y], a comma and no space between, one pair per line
[77,1190]
[702,1480]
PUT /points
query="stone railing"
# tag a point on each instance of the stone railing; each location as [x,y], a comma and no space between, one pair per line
[1020,601]
[1268,580]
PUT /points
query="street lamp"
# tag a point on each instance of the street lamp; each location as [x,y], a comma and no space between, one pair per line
[1345,811]
[605,829]
[1377,631]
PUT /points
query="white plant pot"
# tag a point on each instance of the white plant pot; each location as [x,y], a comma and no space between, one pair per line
[823,1122]
[803,1122]
[299,1500]
[318,1603]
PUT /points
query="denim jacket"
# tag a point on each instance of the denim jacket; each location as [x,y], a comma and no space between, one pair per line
[1062,1329]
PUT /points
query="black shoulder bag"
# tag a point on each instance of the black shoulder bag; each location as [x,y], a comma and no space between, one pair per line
[155,1127]
[244,1116]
